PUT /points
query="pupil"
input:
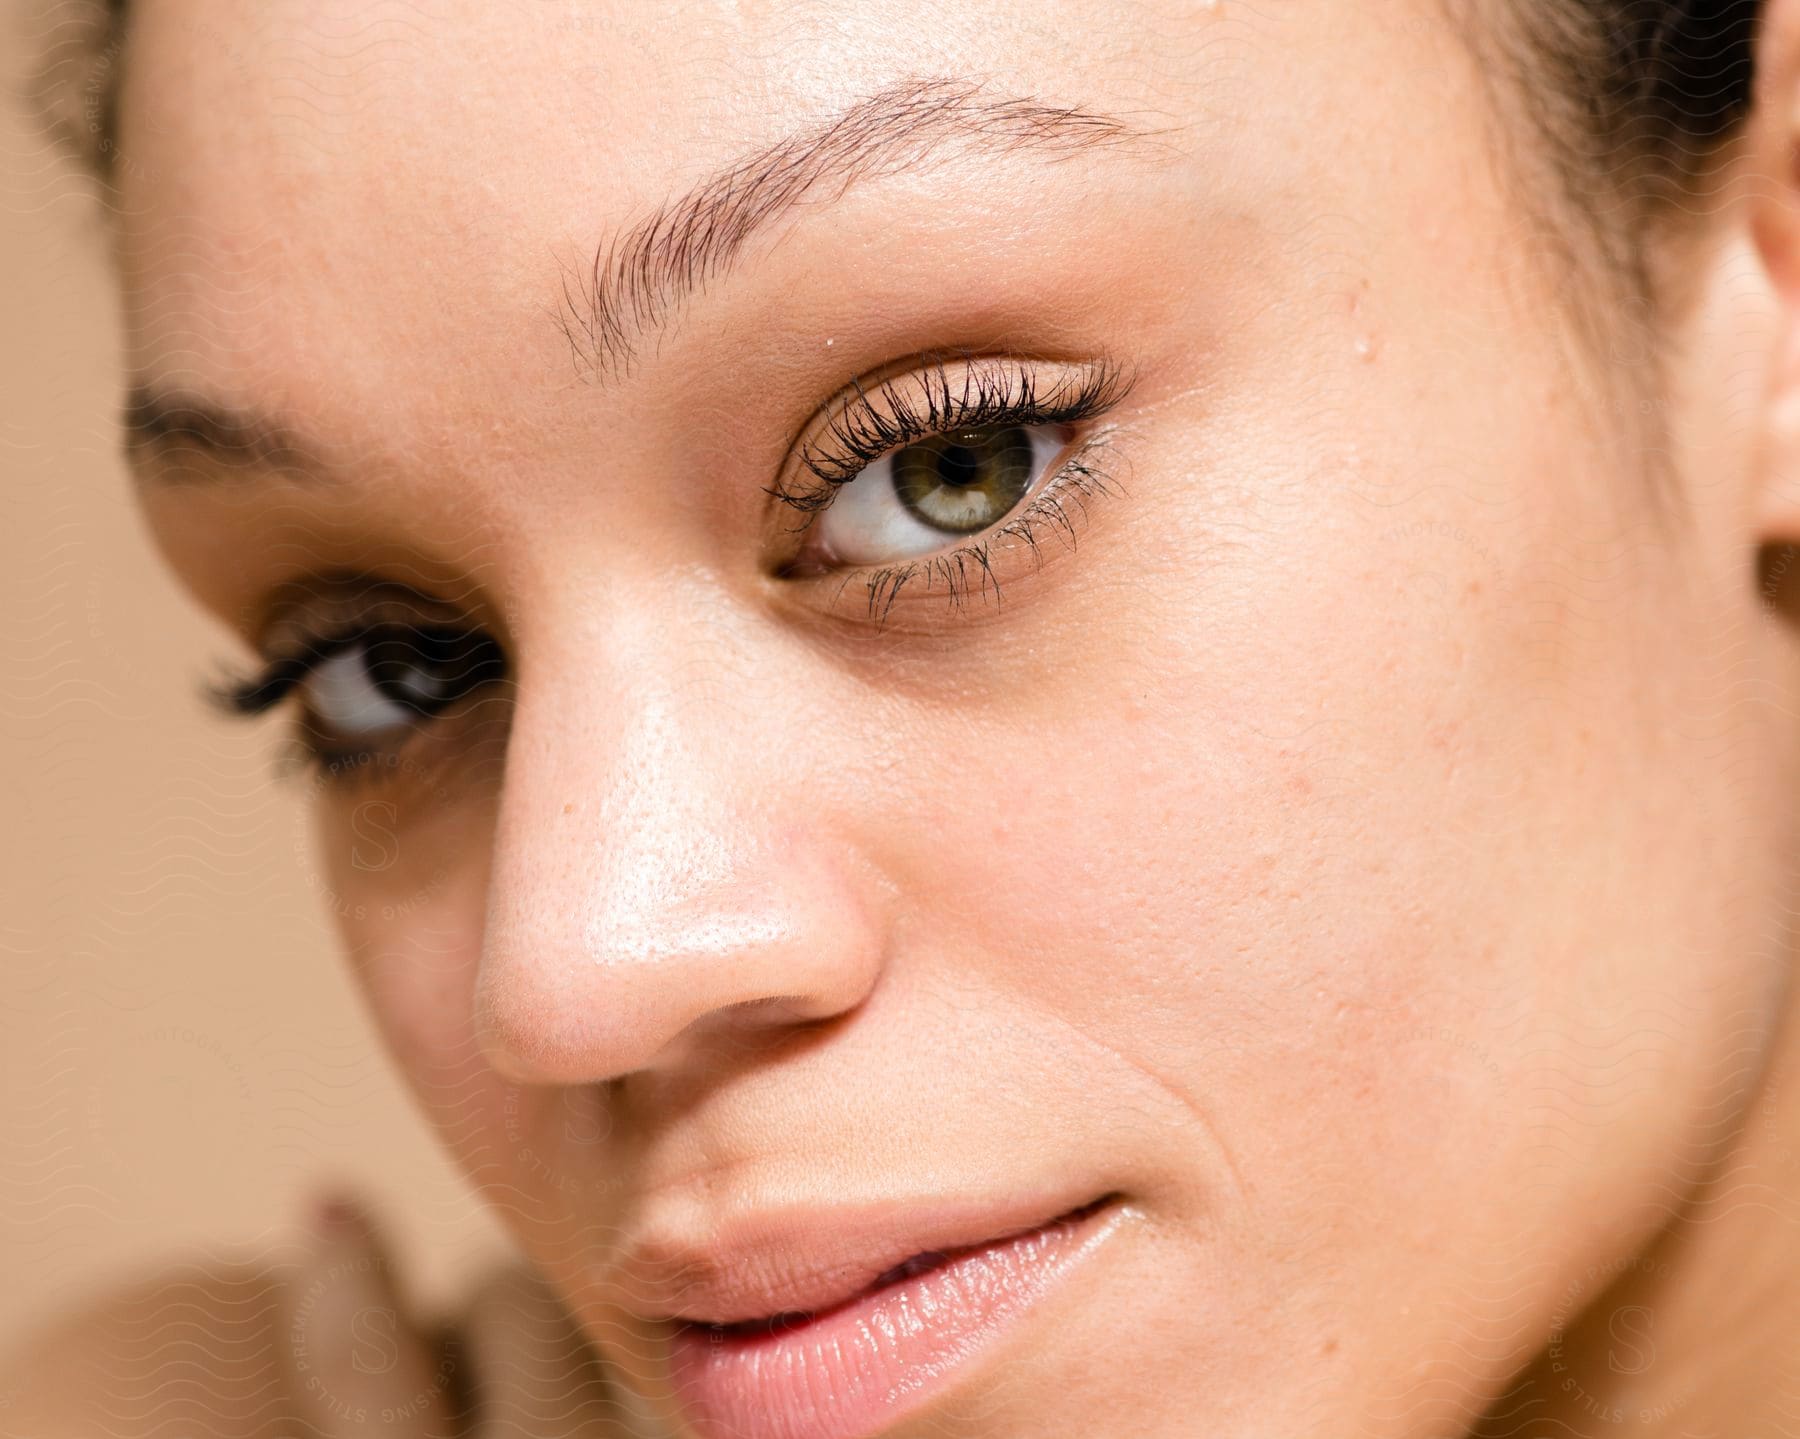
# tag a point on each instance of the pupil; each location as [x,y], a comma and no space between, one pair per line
[960,465]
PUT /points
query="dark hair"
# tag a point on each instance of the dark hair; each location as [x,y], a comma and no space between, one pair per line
[1641,94]
[1665,79]
[1614,116]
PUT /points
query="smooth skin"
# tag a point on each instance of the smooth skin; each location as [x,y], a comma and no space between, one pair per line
[1369,848]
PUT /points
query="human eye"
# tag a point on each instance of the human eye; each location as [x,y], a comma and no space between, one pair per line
[924,478]
[369,672]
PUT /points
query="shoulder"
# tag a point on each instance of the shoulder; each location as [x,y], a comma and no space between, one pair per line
[193,1349]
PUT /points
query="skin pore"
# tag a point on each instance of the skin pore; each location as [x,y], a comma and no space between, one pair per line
[1358,842]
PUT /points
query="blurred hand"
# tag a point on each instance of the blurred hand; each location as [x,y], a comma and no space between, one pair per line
[512,1366]
[320,1349]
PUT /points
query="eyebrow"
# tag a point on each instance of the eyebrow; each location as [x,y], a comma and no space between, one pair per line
[157,419]
[639,279]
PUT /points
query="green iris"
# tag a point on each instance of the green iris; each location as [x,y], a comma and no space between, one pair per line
[964,482]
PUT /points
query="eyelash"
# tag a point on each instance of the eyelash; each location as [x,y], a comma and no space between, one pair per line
[247,696]
[993,394]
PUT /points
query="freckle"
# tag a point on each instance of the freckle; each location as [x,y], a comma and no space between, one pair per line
[568,809]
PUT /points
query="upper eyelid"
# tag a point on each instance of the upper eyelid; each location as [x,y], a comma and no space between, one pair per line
[993,387]
[279,675]
[980,378]
[324,607]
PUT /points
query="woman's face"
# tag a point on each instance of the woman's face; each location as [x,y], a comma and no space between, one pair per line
[1270,767]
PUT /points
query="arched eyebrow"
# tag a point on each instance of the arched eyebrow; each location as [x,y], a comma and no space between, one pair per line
[639,279]
[642,276]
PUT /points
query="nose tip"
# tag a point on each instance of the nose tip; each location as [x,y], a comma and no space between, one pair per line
[645,966]
[670,877]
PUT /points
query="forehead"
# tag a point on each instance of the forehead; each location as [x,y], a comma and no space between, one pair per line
[371,198]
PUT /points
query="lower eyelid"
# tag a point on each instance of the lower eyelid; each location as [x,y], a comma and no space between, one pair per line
[1054,510]
[1052,448]
[423,752]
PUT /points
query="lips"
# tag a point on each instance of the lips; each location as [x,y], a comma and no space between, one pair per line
[804,1261]
[832,1325]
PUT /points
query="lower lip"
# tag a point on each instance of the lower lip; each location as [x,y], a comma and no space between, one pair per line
[851,1372]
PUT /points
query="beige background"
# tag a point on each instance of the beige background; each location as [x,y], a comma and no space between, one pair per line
[184,1060]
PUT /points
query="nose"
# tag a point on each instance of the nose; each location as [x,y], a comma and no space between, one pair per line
[661,894]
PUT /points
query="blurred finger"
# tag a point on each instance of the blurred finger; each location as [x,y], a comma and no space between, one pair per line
[357,1365]
[534,1375]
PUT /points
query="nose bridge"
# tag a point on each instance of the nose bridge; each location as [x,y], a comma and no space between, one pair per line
[683,863]
[656,883]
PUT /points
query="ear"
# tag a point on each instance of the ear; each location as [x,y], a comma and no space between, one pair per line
[1770,168]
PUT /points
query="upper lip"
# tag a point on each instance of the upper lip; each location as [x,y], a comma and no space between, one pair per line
[758,1264]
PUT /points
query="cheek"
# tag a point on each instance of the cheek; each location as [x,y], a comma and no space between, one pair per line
[1340,861]
[1241,897]
[410,875]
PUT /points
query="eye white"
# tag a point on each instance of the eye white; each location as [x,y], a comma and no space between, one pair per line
[866,523]
[344,697]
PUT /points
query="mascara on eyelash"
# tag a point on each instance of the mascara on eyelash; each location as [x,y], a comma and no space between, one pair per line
[994,392]
[258,693]
[1080,480]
